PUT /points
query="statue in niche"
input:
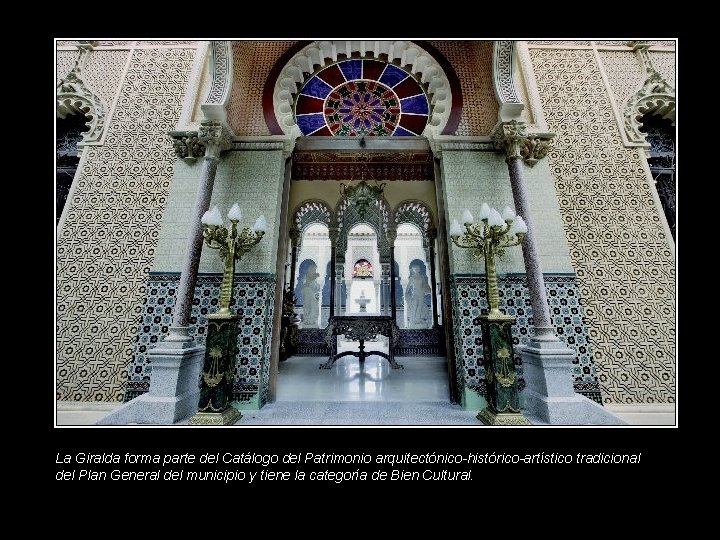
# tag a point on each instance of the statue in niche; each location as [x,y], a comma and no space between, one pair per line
[418,312]
[311,297]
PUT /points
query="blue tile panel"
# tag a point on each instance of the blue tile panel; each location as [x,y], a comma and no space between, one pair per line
[566,310]
[253,298]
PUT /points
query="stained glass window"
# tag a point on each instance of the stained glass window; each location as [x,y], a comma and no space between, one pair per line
[363,269]
[362,97]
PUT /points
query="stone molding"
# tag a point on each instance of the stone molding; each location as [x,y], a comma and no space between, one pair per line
[221,69]
[503,67]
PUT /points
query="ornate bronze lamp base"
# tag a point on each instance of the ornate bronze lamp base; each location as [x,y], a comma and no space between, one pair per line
[503,408]
[216,387]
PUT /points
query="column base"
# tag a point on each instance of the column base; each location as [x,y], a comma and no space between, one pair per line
[492,418]
[549,394]
[174,390]
[226,418]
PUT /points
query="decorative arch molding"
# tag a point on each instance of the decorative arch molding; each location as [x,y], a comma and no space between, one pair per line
[221,69]
[417,213]
[309,212]
[74,97]
[376,217]
[510,104]
[443,89]
[656,96]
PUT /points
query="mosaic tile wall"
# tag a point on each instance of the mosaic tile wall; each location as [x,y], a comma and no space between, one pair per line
[253,298]
[472,61]
[566,309]
[106,247]
[625,268]
[252,62]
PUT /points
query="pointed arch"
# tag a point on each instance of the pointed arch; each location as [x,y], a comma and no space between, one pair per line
[377,216]
[312,211]
[417,213]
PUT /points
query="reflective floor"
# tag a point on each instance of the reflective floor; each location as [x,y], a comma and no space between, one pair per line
[351,394]
[424,378]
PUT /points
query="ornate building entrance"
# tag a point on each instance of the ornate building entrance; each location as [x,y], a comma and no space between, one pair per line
[363,241]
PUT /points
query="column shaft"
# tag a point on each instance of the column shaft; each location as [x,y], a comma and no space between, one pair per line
[193,250]
[536,283]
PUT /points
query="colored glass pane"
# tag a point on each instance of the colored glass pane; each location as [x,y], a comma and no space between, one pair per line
[362,97]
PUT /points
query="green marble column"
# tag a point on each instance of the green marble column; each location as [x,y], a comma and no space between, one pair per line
[216,383]
[503,402]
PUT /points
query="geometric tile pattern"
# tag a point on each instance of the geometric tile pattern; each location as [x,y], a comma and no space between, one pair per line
[252,62]
[65,62]
[621,255]
[664,62]
[624,73]
[106,246]
[102,73]
[566,311]
[253,299]
[472,61]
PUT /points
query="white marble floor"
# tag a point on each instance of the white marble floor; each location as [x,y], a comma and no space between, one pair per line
[422,379]
[366,394]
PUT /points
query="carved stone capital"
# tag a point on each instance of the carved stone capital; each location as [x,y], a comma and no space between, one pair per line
[431,233]
[333,233]
[391,234]
[509,137]
[187,146]
[216,137]
[535,147]
[512,138]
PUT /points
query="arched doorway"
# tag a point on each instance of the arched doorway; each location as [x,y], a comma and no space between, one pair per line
[363,171]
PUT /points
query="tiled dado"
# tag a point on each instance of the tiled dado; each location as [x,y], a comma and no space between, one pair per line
[468,299]
[253,298]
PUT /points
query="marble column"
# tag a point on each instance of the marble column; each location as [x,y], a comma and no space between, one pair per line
[294,238]
[177,360]
[512,137]
[215,138]
[431,236]
[391,236]
[547,361]
[333,233]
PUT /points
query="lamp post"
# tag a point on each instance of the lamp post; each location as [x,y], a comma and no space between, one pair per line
[489,237]
[216,383]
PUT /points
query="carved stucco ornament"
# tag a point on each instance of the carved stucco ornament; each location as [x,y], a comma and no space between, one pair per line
[655,96]
[74,97]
